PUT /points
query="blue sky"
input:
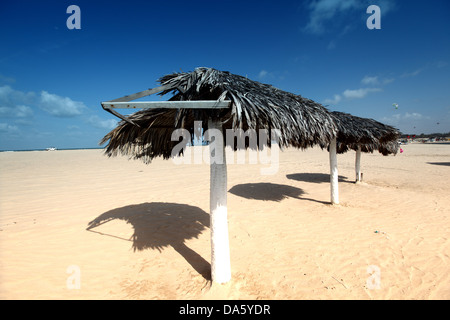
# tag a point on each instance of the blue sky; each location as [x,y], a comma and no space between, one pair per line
[52,79]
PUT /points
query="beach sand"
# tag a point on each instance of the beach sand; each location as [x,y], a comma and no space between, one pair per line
[148,235]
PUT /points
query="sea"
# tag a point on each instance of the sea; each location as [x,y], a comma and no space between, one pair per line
[56,149]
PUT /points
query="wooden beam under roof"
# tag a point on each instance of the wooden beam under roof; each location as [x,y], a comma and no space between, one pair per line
[201,104]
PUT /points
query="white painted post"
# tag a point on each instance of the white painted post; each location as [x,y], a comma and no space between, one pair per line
[358,165]
[220,249]
[334,173]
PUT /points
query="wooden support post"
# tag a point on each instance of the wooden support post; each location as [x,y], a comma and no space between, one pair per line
[220,249]
[358,165]
[334,173]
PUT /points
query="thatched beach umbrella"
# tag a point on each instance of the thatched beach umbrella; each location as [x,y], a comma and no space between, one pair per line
[221,101]
[364,135]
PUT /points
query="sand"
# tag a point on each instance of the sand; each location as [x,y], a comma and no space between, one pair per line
[149,227]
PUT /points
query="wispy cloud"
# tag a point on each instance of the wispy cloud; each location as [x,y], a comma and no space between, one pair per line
[18,104]
[23,111]
[262,74]
[20,107]
[322,12]
[412,74]
[351,94]
[359,93]
[376,80]
[60,106]
[14,103]
[265,75]
[336,99]
[6,79]
[406,118]
[367,80]
[414,116]
[8,129]
[97,122]
[371,84]
[18,111]
[441,64]
[425,68]
[10,96]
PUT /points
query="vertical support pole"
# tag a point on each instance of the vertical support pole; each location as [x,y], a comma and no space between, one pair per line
[334,173]
[220,248]
[358,165]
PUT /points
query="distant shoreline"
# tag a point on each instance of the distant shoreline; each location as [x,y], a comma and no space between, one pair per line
[99,148]
[63,149]
[430,143]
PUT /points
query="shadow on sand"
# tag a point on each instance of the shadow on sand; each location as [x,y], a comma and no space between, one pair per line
[157,225]
[269,192]
[440,163]
[315,177]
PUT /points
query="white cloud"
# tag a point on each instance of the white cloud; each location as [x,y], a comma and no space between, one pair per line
[367,80]
[392,120]
[9,129]
[414,116]
[359,93]
[412,74]
[322,11]
[351,94]
[20,111]
[12,103]
[262,74]
[336,99]
[60,106]
[386,6]
[10,97]
[19,104]
[23,111]
[97,122]
[404,118]
[374,81]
